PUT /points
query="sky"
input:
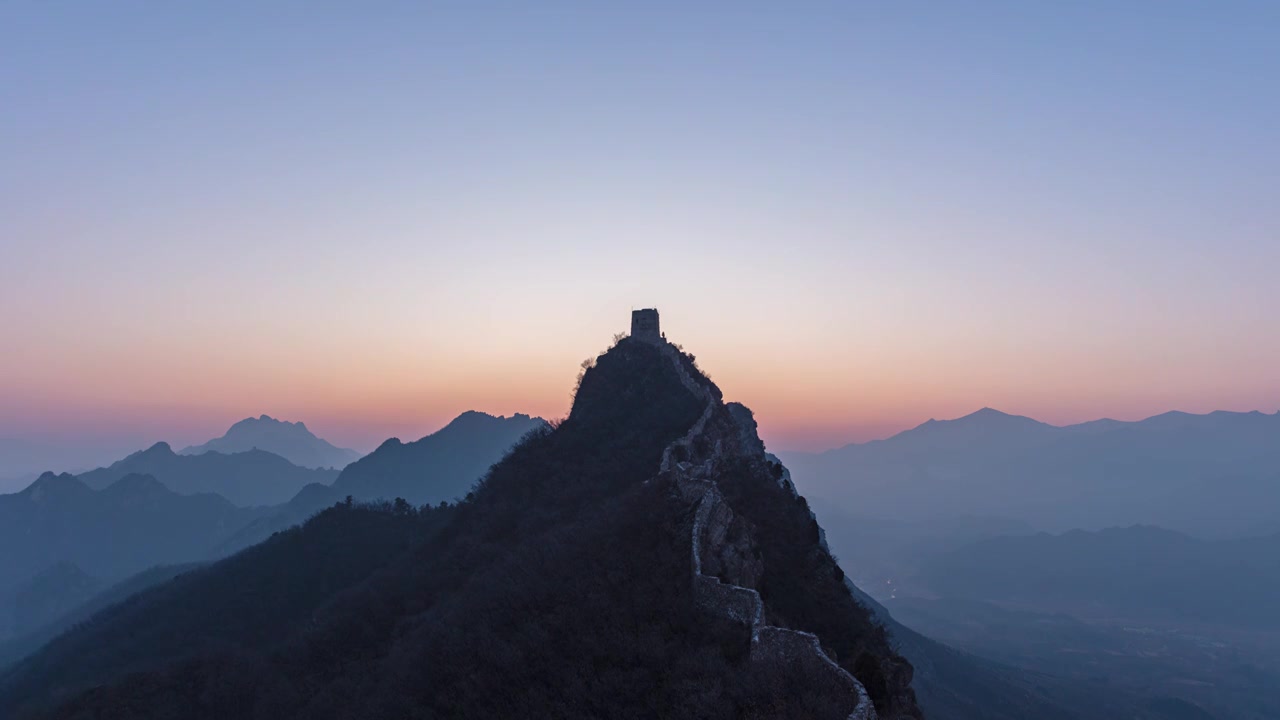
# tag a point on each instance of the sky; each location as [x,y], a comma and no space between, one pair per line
[858,215]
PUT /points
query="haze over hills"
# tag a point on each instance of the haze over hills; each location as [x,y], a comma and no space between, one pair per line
[290,440]
[30,639]
[1142,574]
[249,478]
[1188,624]
[577,539]
[51,592]
[577,546]
[130,525]
[137,521]
[1211,474]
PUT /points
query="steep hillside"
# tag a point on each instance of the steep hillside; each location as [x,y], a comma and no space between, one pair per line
[290,440]
[247,479]
[644,558]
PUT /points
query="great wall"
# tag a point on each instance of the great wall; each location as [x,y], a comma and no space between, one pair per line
[691,461]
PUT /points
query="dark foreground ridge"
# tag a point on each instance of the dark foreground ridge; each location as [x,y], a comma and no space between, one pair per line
[642,558]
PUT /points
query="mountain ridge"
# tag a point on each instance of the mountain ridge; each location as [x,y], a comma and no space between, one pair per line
[436,467]
[251,478]
[1209,474]
[1104,423]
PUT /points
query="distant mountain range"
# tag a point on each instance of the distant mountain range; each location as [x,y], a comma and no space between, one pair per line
[290,440]
[1213,474]
[249,478]
[63,536]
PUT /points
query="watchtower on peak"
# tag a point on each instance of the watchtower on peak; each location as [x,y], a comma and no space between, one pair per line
[644,325]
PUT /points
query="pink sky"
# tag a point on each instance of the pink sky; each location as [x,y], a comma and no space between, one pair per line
[830,394]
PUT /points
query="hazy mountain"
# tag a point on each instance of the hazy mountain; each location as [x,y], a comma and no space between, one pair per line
[290,440]
[130,525]
[643,558]
[1212,474]
[253,477]
[36,600]
[50,593]
[16,648]
[441,466]
[1142,574]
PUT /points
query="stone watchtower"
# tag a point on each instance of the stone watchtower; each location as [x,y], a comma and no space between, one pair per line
[644,325]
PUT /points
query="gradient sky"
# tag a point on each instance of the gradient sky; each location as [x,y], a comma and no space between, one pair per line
[372,216]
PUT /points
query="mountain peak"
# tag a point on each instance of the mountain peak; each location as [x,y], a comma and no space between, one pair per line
[160,448]
[265,419]
[985,420]
[290,440]
[51,485]
[991,415]
[477,418]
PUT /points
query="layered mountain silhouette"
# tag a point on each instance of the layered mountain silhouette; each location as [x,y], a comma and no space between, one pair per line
[644,557]
[249,478]
[290,440]
[440,467]
[62,526]
[132,524]
[1207,474]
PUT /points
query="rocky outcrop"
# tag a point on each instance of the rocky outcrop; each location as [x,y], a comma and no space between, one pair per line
[725,568]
